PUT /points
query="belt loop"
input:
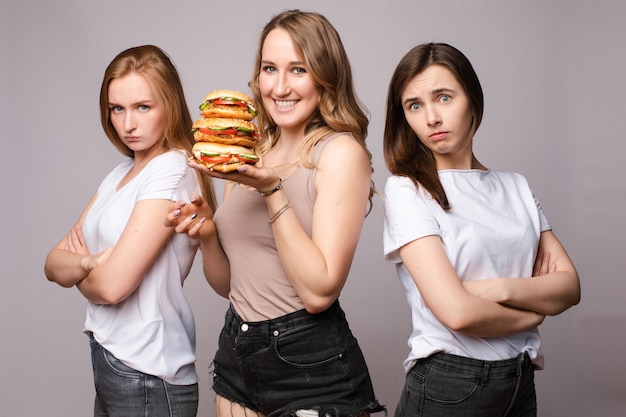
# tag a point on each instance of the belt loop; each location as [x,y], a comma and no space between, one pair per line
[520,363]
[486,369]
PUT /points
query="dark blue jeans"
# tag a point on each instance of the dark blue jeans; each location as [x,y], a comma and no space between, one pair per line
[445,385]
[124,392]
[298,361]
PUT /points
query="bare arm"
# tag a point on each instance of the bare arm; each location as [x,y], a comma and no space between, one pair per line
[451,303]
[196,219]
[317,266]
[69,262]
[554,287]
[140,244]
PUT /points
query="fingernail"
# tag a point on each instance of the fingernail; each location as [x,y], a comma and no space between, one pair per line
[193,216]
[176,213]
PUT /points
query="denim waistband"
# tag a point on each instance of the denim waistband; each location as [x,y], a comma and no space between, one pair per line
[480,368]
[280,324]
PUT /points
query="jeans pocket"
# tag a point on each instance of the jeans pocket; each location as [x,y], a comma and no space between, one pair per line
[309,346]
[119,367]
[448,387]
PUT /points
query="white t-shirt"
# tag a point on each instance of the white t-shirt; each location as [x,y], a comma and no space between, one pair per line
[492,230]
[153,330]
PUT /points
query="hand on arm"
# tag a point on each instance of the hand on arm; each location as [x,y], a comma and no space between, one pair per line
[140,244]
[451,303]
[196,219]
[69,262]
[317,265]
[553,288]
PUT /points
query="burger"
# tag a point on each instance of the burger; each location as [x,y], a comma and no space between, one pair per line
[228,103]
[223,144]
[221,157]
[225,130]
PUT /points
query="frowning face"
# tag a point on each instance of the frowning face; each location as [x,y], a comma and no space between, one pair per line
[438,110]
[136,115]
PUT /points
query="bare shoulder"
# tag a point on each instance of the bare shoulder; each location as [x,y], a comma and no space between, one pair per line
[345,142]
[344,150]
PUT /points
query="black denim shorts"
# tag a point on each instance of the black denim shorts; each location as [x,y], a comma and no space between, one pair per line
[294,362]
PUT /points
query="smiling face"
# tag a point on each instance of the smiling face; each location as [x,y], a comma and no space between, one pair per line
[287,88]
[136,115]
[438,110]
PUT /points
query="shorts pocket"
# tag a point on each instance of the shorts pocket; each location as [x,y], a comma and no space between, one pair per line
[309,346]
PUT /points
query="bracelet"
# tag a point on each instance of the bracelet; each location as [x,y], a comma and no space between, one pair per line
[278,213]
[273,190]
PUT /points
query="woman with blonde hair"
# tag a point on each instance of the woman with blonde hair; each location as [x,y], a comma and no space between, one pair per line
[288,229]
[122,257]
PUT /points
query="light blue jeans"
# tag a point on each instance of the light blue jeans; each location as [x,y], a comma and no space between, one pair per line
[124,392]
[445,385]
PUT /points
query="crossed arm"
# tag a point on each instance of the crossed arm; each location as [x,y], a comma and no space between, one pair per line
[554,287]
[493,307]
[112,275]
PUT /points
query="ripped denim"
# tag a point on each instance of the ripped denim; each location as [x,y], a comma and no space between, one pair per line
[299,361]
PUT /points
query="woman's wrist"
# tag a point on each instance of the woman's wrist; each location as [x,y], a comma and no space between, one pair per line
[268,193]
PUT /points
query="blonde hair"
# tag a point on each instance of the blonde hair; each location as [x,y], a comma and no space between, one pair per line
[162,76]
[339,109]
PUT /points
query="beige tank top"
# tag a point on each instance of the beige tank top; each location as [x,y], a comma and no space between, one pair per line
[259,287]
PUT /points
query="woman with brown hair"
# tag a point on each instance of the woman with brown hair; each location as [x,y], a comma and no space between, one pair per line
[473,250]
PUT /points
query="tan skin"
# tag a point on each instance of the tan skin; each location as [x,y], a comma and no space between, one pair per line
[438,111]
[317,265]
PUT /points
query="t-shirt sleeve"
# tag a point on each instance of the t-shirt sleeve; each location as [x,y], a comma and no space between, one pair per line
[408,216]
[164,176]
[544,225]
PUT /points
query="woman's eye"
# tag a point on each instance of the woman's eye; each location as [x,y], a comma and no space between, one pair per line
[144,107]
[445,98]
[268,68]
[116,109]
[299,70]
[414,107]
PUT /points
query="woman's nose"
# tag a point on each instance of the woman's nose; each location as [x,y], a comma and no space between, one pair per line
[433,117]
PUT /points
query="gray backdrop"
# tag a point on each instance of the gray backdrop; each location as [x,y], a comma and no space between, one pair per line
[553,76]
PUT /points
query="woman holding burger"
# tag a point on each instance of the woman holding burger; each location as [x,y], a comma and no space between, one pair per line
[288,230]
[121,256]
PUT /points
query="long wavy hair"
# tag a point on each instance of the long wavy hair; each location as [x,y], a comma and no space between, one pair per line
[158,69]
[339,109]
[404,152]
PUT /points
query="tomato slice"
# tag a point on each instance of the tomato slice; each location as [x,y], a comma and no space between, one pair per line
[228,102]
[217,132]
[247,159]
[215,159]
